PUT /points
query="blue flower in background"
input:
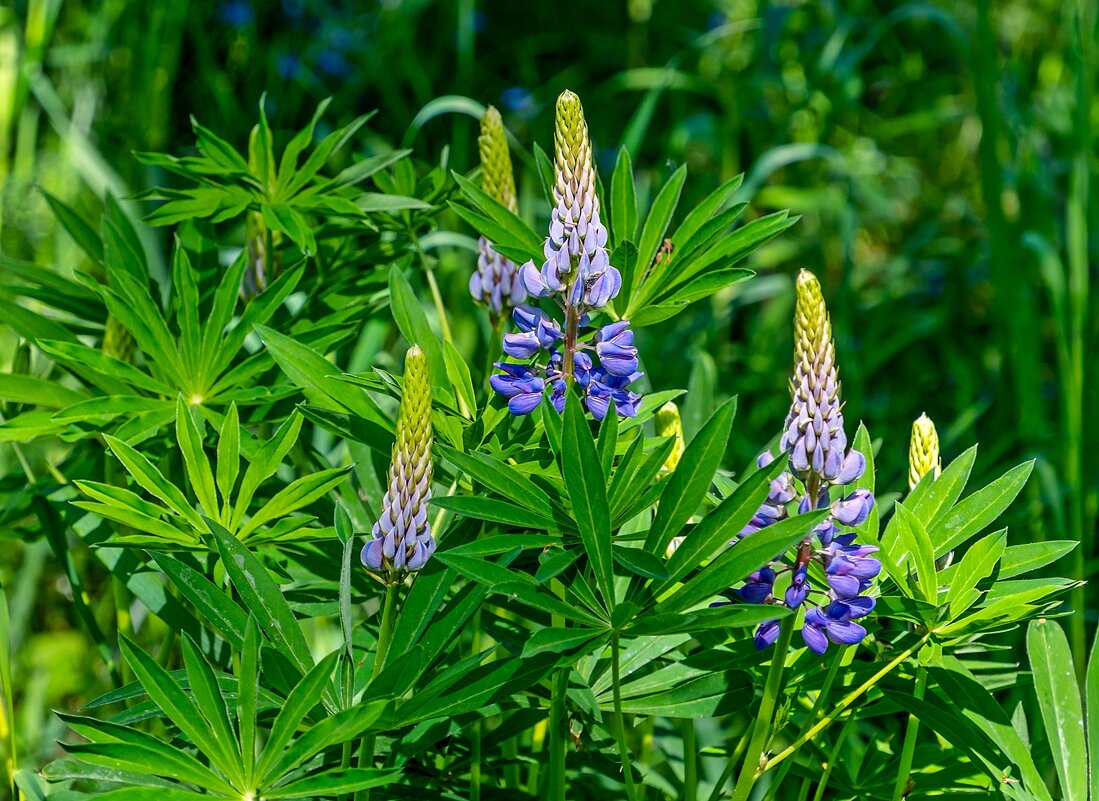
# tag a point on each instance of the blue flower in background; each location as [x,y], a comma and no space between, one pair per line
[237,13]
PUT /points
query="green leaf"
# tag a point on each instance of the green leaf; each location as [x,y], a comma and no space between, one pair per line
[1092,697]
[81,232]
[623,199]
[228,458]
[977,564]
[934,497]
[690,482]
[262,597]
[152,757]
[1059,699]
[410,318]
[340,727]
[246,697]
[978,510]
[153,481]
[737,562]
[305,695]
[194,458]
[656,224]
[220,612]
[458,373]
[169,696]
[640,562]
[587,491]
[494,511]
[556,641]
[208,700]
[336,782]
[1020,559]
[608,441]
[869,530]
[264,464]
[499,477]
[78,356]
[915,542]
[721,525]
[37,391]
[298,494]
[705,211]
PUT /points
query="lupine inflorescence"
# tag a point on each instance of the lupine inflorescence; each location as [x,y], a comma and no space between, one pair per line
[402,538]
[495,282]
[923,451]
[820,464]
[578,276]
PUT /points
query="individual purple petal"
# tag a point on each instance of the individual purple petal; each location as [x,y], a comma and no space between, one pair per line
[767,633]
[854,465]
[522,345]
[855,508]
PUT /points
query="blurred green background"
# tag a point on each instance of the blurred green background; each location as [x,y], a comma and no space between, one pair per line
[940,155]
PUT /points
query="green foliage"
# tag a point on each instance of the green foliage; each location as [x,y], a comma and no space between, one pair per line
[197,410]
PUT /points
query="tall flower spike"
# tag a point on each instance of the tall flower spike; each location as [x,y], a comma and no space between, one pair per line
[814,432]
[495,282]
[578,275]
[820,466]
[402,540]
[923,451]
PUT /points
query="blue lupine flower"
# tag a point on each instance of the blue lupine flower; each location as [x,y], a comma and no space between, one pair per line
[820,465]
[834,622]
[578,274]
[520,386]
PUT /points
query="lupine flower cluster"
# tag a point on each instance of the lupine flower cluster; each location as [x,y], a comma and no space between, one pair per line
[923,451]
[402,540]
[820,464]
[923,458]
[495,283]
[578,276]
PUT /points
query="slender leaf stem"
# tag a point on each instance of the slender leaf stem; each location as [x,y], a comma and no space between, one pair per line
[478,725]
[558,744]
[900,789]
[849,699]
[749,769]
[818,705]
[832,755]
[385,634]
[619,720]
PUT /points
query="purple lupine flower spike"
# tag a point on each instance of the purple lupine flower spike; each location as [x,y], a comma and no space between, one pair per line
[577,273]
[401,539]
[496,282]
[820,467]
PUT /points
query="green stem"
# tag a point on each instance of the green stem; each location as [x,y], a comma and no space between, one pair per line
[385,634]
[760,734]
[900,789]
[619,720]
[818,705]
[475,734]
[832,755]
[849,699]
[690,760]
[730,765]
[558,744]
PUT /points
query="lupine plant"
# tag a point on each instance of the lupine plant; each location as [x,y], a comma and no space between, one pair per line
[321,549]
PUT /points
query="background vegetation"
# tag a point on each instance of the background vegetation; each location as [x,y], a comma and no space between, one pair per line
[940,156]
